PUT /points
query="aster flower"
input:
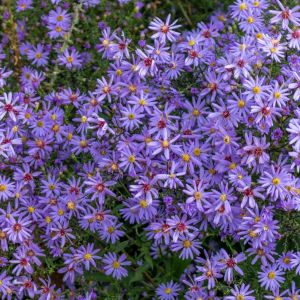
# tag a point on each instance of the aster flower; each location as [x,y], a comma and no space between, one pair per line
[275,182]
[270,277]
[38,55]
[70,59]
[17,230]
[210,272]
[168,291]
[230,263]
[285,15]
[188,247]
[239,293]
[88,255]
[114,265]
[165,30]
[8,106]
[6,188]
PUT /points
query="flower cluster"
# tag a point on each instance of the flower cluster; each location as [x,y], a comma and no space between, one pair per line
[187,147]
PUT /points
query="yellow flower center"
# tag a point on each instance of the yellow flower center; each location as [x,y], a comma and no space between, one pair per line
[277,95]
[69,59]
[143,203]
[87,256]
[31,209]
[250,20]
[69,136]
[241,103]
[116,264]
[197,195]
[223,197]
[165,144]
[51,187]
[131,116]
[240,297]
[142,102]
[286,260]
[48,220]
[256,3]
[60,212]
[83,119]
[273,50]
[131,158]
[105,43]
[192,42]
[276,181]
[197,151]
[110,229]
[83,143]
[187,244]
[71,205]
[119,72]
[168,291]
[256,90]
[3,187]
[195,112]
[227,139]
[186,157]
[259,35]
[243,6]
[271,275]
[232,166]
[38,55]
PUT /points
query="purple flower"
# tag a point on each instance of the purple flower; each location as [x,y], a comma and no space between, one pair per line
[165,30]
[168,291]
[113,265]
[270,277]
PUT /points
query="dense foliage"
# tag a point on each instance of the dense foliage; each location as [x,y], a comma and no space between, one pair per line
[150,150]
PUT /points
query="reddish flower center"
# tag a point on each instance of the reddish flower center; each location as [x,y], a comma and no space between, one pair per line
[101,124]
[230,263]
[100,187]
[17,227]
[161,124]
[206,34]
[266,111]
[8,107]
[74,190]
[23,262]
[146,187]
[148,62]
[181,227]
[193,54]
[122,46]
[165,227]
[226,114]
[187,132]
[62,232]
[164,29]
[241,63]
[28,284]
[285,14]
[27,177]
[99,216]
[258,151]
[296,34]
[46,290]
[248,192]
[73,97]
